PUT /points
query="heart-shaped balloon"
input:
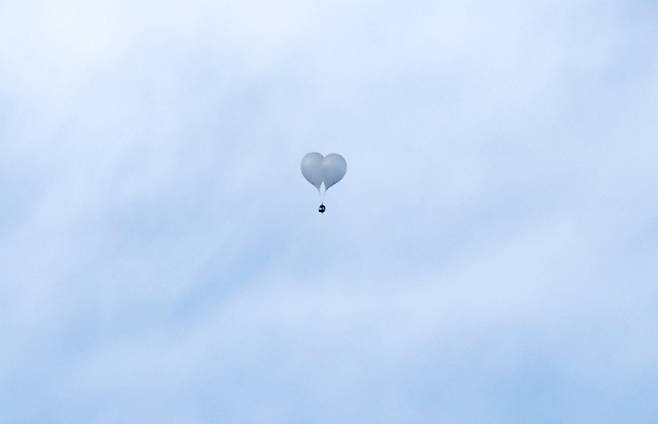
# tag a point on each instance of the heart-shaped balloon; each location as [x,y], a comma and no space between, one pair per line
[318,169]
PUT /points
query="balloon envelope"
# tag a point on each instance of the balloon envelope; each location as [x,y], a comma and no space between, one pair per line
[334,168]
[312,168]
[318,169]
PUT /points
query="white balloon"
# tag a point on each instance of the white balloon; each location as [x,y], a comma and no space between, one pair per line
[318,169]
[334,168]
[312,169]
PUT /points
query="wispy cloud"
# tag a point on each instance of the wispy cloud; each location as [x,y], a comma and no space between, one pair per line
[489,257]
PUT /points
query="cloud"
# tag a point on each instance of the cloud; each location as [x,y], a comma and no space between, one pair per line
[489,255]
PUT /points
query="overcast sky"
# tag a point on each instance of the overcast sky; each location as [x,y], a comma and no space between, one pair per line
[490,257]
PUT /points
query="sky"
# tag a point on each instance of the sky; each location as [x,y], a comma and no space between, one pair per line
[491,255]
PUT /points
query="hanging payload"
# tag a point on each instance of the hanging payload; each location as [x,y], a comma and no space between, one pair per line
[323,171]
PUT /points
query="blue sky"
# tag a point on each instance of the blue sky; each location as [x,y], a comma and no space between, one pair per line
[490,257]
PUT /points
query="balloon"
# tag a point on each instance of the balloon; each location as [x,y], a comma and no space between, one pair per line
[333,169]
[312,169]
[318,169]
